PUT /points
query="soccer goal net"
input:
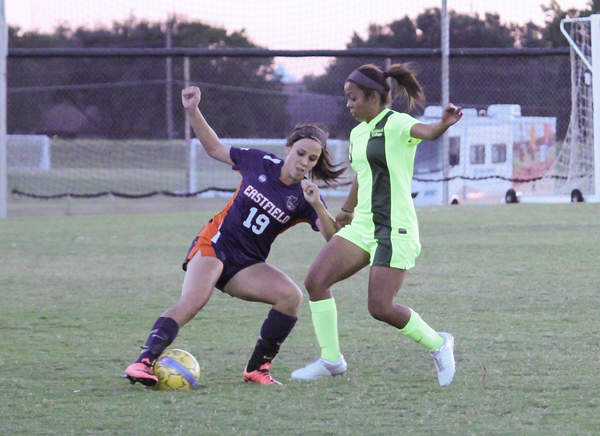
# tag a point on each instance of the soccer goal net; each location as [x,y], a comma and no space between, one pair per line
[574,173]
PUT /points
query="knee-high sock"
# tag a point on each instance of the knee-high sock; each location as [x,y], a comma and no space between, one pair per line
[420,332]
[275,329]
[162,335]
[324,317]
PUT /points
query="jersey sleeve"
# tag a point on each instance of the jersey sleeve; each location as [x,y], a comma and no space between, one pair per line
[250,159]
[244,158]
[402,125]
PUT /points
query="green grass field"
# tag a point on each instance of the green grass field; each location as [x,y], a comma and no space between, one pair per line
[517,285]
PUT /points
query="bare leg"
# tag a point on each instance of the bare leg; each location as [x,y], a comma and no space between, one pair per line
[384,284]
[264,283]
[200,278]
[338,260]
[198,285]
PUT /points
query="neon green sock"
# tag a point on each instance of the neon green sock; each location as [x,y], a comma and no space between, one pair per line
[324,317]
[420,332]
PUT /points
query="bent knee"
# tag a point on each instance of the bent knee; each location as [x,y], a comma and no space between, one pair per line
[379,311]
[293,296]
[313,283]
[288,301]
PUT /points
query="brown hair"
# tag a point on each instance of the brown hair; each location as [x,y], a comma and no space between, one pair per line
[408,86]
[324,169]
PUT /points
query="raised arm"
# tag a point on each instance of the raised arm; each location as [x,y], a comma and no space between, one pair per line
[325,222]
[190,97]
[433,131]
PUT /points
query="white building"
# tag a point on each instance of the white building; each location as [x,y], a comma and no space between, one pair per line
[486,151]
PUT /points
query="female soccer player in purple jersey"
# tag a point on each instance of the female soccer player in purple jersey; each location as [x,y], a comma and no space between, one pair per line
[229,253]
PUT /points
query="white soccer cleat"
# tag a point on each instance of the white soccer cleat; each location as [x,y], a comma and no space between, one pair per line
[443,358]
[321,368]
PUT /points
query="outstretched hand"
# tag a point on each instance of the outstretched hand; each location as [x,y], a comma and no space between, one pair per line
[190,97]
[451,114]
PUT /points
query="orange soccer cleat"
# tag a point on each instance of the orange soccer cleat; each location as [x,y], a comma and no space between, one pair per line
[141,372]
[262,376]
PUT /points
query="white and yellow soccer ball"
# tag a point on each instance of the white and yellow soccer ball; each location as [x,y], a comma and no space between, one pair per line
[176,370]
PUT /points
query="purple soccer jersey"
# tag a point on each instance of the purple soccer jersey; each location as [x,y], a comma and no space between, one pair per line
[262,208]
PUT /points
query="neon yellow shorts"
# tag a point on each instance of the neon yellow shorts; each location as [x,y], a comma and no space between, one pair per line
[393,252]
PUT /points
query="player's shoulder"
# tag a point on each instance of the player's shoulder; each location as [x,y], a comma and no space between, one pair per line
[254,153]
[400,123]
[402,118]
[251,158]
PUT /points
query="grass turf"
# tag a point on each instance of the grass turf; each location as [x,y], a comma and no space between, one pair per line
[517,285]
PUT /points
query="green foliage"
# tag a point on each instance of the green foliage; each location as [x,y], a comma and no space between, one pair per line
[124,97]
[551,33]
[516,284]
[537,83]
[470,30]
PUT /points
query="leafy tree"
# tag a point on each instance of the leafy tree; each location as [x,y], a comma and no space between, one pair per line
[554,14]
[125,97]
[475,82]
[424,32]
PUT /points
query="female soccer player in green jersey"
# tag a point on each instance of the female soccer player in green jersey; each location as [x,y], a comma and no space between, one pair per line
[380,224]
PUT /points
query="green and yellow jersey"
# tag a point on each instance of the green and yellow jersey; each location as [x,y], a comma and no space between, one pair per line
[382,153]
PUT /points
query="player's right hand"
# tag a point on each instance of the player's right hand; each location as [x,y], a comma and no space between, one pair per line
[190,97]
[342,219]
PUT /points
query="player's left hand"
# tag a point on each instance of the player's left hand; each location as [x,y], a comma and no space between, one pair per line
[451,115]
[311,191]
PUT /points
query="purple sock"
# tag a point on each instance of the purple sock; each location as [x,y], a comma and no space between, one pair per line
[162,335]
[274,331]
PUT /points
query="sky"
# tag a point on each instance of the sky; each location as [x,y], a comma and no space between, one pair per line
[273,24]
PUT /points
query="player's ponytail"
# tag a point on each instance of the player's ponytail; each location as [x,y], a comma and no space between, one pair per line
[408,86]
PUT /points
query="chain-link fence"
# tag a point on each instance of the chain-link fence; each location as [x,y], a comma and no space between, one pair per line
[116,124]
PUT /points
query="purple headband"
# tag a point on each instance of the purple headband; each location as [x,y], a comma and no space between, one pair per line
[308,132]
[359,78]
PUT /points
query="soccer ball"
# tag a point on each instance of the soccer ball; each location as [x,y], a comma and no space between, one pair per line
[176,370]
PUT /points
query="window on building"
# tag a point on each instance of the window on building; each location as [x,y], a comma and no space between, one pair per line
[477,154]
[498,153]
[454,151]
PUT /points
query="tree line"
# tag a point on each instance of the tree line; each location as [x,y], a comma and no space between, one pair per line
[125,97]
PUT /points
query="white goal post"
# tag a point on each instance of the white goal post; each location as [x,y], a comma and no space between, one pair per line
[584,53]
[575,173]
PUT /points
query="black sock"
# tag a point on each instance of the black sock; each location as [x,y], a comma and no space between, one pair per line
[274,331]
[162,335]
